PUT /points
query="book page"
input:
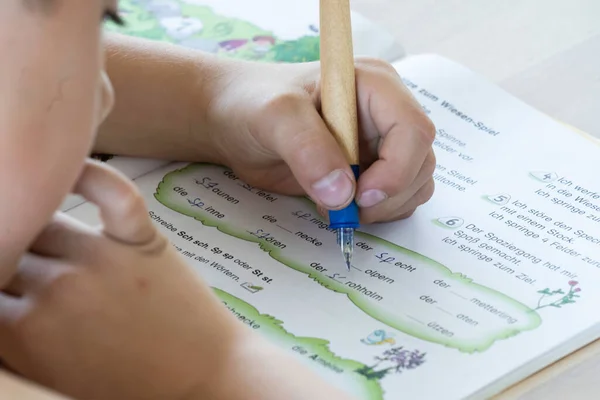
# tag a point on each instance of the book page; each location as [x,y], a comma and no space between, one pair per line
[490,280]
[259,30]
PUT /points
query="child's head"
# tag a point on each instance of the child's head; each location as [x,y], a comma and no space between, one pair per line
[57,68]
[54,95]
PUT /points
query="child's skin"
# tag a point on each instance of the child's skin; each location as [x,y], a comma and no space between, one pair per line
[114,312]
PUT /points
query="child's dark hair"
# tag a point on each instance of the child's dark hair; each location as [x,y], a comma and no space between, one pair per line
[111,15]
[48,6]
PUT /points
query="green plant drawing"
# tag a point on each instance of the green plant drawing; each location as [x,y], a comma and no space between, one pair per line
[393,361]
[558,298]
[304,49]
[313,351]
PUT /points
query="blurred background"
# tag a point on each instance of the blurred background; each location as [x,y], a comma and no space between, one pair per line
[546,52]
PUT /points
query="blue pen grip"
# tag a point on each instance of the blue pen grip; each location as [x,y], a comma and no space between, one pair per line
[347,217]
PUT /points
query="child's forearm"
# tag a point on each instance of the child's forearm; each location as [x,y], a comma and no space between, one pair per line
[162,94]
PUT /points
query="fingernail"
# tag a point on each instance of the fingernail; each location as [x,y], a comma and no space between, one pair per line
[371,197]
[334,190]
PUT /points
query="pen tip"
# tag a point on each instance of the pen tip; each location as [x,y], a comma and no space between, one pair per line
[345,237]
[348,258]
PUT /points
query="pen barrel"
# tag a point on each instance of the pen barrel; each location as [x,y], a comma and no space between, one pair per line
[338,80]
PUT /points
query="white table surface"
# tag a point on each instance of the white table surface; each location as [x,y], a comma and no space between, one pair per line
[546,52]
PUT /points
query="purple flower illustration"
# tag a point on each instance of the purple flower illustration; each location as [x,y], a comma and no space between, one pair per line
[393,360]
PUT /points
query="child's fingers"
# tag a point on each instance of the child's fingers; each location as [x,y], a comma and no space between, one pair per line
[33,273]
[298,134]
[11,310]
[122,208]
[63,237]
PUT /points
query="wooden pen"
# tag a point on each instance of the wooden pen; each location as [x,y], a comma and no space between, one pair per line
[338,105]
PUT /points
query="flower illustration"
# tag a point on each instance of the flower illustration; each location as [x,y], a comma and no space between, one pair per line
[551,299]
[394,360]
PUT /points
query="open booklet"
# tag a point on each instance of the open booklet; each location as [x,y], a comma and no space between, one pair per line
[490,281]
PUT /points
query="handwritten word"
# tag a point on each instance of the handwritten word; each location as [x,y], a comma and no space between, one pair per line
[206,182]
[386,258]
[197,202]
[268,237]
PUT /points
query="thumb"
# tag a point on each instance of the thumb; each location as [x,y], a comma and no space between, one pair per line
[122,208]
[303,141]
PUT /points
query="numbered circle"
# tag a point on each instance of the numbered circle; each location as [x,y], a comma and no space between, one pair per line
[451,222]
[500,199]
[544,176]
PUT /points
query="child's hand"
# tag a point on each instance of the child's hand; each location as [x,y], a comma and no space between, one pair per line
[271,134]
[115,313]
[112,312]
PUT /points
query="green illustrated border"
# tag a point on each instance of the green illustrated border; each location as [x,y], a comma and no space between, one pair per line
[273,329]
[361,301]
